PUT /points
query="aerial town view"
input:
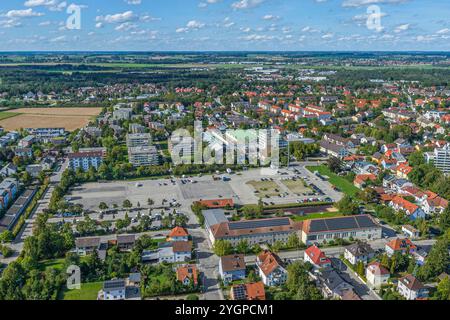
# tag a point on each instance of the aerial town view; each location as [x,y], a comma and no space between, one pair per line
[250,150]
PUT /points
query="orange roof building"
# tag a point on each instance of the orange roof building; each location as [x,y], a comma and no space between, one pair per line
[216,203]
[178,234]
[270,269]
[248,291]
[400,245]
[188,274]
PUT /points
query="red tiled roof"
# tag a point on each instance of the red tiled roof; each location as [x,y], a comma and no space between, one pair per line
[216,203]
[187,271]
[405,204]
[317,256]
[268,262]
[178,232]
[401,244]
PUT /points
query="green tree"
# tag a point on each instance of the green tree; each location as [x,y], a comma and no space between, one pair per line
[222,248]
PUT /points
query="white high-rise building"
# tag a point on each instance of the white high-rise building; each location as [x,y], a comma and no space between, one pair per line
[440,158]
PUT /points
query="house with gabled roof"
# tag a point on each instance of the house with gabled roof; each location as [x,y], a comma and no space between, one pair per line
[412,210]
[270,269]
[404,246]
[316,257]
[411,288]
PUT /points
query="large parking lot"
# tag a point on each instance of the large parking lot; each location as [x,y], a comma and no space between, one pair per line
[240,187]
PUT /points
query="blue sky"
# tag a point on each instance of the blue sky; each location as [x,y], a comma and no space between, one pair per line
[153,25]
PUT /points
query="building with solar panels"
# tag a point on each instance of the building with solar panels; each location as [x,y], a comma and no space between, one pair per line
[360,227]
[259,231]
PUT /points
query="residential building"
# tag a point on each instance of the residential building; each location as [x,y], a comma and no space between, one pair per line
[8,191]
[248,291]
[270,269]
[23,152]
[410,231]
[8,170]
[170,252]
[187,274]
[412,210]
[232,267]
[376,275]
[411,288]
[86,245]
[332,284]
[178,234]
[8,221]
[138,140]
[316,257]
[440,158]
[86,158]
[118,289]
[404,246]
[359,227]
[359,252]
[143,156]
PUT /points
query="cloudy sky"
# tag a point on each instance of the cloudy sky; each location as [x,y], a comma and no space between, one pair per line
[126,25]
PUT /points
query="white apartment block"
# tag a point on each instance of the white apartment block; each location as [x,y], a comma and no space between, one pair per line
[86,158]
[138,140]
[440,158]
[143,156]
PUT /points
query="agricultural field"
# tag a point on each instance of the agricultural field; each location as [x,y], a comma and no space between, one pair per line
[68,118]
[6,115]
[296,186]
[265,188]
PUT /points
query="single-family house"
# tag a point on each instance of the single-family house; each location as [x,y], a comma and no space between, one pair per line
[316,257]
[376,275]
[271,269]
[411,288]
[232,267]
[359,252]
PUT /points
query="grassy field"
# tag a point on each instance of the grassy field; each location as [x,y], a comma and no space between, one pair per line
[296,186]
[6,115]
[339,182]
[317,216]
[88,291]
[265,188]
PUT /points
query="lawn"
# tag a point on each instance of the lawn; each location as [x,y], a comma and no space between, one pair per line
[296,186]
[6,115]
[88,291]
[339,182]
[265,188]
[320,215]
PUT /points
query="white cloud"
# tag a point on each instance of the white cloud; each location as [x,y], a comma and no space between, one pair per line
[402,27]
[27,13]
[117,18]
[52,5]
[133,2]
[10,23]
[270,17]
[194,24]
[362,3]
[246,4]
[443,31]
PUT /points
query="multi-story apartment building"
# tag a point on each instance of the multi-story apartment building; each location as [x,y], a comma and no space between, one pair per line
[138,140]
[86,158]
[440,158]
[8,191]
[143,156]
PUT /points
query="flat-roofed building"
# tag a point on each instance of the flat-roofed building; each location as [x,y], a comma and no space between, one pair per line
[143,156]
[138,140]
[359,227]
